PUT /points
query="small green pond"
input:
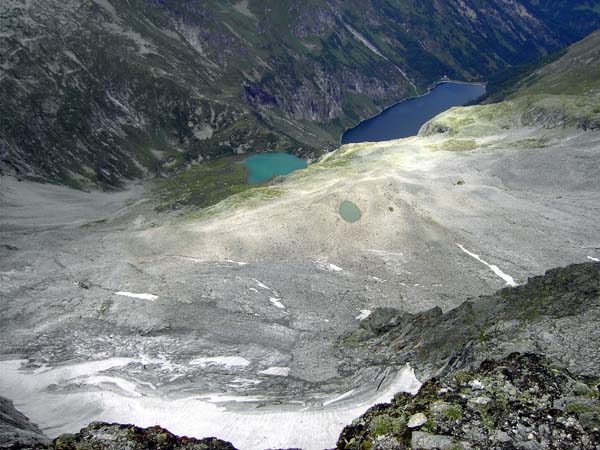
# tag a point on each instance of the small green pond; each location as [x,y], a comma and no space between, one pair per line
[265,166]
[349,211]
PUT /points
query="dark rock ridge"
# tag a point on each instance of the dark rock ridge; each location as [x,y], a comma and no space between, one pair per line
[96,92]
[106,436]
[555,314]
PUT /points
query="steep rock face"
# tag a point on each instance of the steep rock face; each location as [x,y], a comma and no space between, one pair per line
[16,431]
[97,92]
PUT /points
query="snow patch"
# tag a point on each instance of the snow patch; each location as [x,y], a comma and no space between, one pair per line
[188,258]
[507,278]
[591,258]
[276,371]
[376,279]
[364,313]
[243,8]
[262,285]
[150,297]
[276,302]
[239,263]
[323,264]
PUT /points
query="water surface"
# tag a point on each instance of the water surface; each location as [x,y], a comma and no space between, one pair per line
[265,166]
[406,118]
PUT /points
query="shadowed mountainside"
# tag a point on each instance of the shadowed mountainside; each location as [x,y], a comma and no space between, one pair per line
[96,92]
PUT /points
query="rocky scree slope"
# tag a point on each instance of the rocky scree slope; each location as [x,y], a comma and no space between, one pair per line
[502,402]
[100,91]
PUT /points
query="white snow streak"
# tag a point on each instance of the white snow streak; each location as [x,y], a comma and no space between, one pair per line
[339,397]
[276,302]
[507,278]
[591,258]
[261,285]
[150,297]
[276,371]
[239,263]
[364,313]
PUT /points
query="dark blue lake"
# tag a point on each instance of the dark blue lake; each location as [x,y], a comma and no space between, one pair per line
[404,119]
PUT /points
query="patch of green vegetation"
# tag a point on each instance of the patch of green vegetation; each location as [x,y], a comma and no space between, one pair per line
[473,121]
[430,426]
[259,193]
[505,82]
[530,143]
[202,185]
[463,377]
[452,412]
[579,408]
[249,197]
[455,145]
[459,145]
[387,425]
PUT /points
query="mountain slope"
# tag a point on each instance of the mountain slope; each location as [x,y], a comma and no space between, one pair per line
[96,92]
[240,313]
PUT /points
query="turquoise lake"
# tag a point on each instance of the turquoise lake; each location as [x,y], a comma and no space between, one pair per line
[265,166]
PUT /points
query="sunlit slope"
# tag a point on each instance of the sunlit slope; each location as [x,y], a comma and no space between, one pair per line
[516,181]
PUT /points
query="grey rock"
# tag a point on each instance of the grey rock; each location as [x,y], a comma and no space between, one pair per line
[427,441]
[417,420]
[15,428]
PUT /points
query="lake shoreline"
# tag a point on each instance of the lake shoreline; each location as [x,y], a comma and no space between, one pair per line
[430,88]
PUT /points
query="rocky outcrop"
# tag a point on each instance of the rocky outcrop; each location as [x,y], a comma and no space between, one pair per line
[106,436]
[555,314]
[521,402]
[16,431]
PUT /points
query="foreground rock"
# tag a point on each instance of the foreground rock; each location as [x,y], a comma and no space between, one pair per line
[521,402]
[106,436]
